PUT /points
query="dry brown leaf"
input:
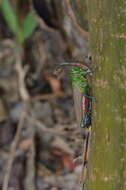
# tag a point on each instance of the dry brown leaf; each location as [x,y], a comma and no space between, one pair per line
[54,83]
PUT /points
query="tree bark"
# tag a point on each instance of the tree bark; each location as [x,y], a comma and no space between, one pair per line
[107,163]
[108,43]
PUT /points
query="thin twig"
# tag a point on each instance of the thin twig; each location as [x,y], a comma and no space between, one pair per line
[50,96]
[25,97]
[13,149]
[42,127]
[21,71]
[29,181]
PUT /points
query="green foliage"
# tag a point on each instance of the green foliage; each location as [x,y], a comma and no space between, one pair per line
[11,19]
[29,25]
[21,31]
[78,78]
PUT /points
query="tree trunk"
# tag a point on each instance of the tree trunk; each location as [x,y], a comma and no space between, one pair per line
[108,42]
[107,163]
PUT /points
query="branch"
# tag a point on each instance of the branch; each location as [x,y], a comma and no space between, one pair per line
[25,97]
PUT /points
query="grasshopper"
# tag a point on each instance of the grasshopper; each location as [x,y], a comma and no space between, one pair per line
[80,75]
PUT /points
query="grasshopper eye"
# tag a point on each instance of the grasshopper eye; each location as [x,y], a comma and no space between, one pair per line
[90,58]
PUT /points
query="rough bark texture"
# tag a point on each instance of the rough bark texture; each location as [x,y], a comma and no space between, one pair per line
[108,43]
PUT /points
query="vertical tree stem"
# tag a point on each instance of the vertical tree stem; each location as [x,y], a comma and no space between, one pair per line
[107,23]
